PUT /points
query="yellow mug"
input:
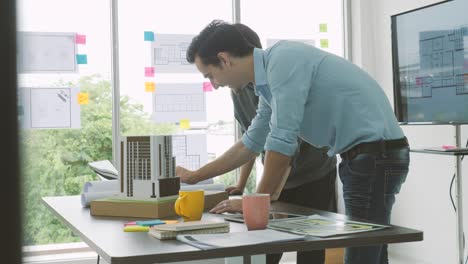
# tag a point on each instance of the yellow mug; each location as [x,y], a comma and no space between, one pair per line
[190,205]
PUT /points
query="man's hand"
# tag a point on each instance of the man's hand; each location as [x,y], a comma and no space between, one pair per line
[186,176]
[231,206]
[235,190]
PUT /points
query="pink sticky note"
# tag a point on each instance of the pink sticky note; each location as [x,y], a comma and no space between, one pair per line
[149,71]
[207,87]
[80,39]
[419,80]
[130,223]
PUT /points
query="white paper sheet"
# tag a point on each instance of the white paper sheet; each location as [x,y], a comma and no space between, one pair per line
[173,102]
[237,239]
[41,52]
[190,150]
[168,53]
[49,107]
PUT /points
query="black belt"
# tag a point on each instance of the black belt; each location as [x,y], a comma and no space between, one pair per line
[375,147]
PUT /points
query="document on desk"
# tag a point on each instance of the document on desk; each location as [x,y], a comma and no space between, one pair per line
[317,225]
[210,241]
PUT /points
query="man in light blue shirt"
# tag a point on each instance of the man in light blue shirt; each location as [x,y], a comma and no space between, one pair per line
[321,98]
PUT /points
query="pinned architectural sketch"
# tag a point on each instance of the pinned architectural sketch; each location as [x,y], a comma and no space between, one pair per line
[168,54]
[271,42]
[148,167]
[173,102]
[49,108]
[190,150]
[40,52]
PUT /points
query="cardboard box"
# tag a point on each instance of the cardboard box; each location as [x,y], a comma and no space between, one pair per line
[149,208]
[213,198]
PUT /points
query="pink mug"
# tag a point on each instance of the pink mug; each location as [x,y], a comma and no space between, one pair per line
[255,208]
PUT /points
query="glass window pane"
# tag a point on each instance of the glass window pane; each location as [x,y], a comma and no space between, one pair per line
[316,22]
[154,74]
[65,108]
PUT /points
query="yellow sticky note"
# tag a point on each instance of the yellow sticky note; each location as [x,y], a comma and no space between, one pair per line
[323,27]
[136,228]
[150,87]
[185,124]
[324,43]
[83,98]
[169,222]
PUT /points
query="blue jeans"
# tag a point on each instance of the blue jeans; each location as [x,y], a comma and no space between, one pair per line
[370,183]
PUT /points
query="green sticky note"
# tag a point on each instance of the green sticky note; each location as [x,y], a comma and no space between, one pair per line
[324,43]
[323,28]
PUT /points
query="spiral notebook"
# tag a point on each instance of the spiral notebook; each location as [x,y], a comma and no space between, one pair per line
[164,235]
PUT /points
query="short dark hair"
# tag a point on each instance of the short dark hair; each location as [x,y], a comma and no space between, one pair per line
[249,35]
[218,36]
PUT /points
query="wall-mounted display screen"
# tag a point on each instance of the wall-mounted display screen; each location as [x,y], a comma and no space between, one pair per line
[430,64]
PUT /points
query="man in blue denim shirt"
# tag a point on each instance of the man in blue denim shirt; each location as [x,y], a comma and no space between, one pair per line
[326,101]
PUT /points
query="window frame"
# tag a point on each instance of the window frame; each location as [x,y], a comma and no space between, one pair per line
[53,250]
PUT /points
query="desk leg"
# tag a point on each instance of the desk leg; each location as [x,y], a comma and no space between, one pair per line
[256,259]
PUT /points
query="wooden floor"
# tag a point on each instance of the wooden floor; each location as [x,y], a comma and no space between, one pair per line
[334,256]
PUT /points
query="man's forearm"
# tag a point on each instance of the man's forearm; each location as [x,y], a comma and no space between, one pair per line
[275,168]
[245,171]
[233,158]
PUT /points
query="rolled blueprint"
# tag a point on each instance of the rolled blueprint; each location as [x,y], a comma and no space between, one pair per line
[101,186]
[206,187]
[93,190]
[86,198]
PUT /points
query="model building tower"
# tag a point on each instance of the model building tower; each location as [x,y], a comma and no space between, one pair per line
[148,167]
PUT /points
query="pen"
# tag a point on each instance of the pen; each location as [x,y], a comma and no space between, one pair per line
[448,147]
[151,222]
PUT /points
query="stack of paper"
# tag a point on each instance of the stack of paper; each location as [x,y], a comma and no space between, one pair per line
[105,169]
[170,231]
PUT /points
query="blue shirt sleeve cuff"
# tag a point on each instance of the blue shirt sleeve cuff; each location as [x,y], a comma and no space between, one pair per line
[250,144]
[288,149]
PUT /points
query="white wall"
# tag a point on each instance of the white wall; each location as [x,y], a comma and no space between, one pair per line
[424,202]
